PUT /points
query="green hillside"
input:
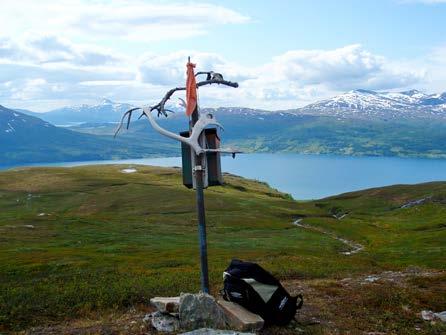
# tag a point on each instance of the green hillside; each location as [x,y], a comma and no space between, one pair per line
[339,136]
[28,139]
[309,134]
[76,241]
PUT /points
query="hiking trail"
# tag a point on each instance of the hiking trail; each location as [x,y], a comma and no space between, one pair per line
[354,246]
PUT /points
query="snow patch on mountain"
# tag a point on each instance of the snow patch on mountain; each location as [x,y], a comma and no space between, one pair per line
[383,105]
[12,122]
[10,128]
[360,103]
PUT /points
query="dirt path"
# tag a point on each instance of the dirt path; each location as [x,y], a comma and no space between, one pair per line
[354,246]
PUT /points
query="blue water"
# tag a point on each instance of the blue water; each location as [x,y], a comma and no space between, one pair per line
[314,176]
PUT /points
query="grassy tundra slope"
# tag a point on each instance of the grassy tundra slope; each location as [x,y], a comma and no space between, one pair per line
[77,241]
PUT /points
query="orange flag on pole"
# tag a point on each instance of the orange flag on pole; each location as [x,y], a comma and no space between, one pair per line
[191,90]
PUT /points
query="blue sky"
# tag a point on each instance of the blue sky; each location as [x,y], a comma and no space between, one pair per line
[391,28]
[283,53]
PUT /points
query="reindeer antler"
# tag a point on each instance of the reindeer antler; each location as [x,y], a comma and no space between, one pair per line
[160,107]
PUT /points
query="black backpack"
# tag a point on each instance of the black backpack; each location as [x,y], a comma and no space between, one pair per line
[254,288]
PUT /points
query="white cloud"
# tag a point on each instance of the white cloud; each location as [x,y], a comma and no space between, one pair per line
[136,20]
[49,53]
[288,80]
[72,44]
[436,72]
[169,69]
[49,49]
[340,69]
[299,77]
[314,66]
[83,74]
[31,88]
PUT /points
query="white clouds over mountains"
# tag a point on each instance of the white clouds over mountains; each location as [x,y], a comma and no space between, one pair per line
[343,68]
[49,68]
[49,57]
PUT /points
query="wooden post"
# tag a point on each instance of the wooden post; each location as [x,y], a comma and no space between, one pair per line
[198,174]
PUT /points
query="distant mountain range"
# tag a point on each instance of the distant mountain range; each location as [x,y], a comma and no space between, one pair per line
[105,111]
[363,104]
[386,105]
[360,122]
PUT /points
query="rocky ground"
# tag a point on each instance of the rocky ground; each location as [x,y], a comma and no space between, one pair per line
[384,303]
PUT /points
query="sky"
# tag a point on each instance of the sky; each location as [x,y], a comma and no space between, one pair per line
[284,54]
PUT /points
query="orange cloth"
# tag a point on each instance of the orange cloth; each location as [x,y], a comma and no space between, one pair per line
[191,90]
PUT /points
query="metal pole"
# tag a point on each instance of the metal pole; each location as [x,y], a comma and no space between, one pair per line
[199,173]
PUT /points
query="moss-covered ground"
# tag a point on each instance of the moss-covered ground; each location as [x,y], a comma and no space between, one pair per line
[86,240]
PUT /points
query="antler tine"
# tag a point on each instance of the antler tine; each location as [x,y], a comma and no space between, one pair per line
[126,114]
[162,111]
[160,107]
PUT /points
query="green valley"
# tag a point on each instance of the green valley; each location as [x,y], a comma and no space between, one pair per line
[78,242]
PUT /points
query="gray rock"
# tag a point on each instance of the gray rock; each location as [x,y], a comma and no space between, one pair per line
[441,316]
[200,311]
[427,315]
[416,202]
[209,331]
[166,304]
[147,318]
[430,316]
[163,322]
[371,279]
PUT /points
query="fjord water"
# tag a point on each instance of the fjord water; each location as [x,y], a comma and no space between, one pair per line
[314,176]
[318,176]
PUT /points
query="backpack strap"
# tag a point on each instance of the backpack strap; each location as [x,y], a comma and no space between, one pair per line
[299,301]
[224,294]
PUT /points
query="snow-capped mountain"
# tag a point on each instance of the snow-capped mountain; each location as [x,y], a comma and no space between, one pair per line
[359,122]
[364,104]
[105,111]
[382,105]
